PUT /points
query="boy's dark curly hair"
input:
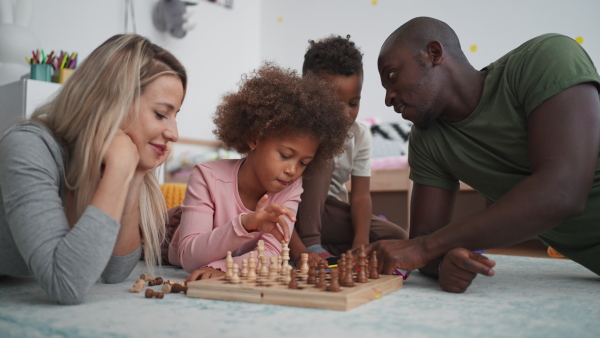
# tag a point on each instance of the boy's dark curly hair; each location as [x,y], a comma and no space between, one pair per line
[334,55]
[273,102]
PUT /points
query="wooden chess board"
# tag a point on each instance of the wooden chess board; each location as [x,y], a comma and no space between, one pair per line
[307,295]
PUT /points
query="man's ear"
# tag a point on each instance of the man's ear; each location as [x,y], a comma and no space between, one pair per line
[436,52]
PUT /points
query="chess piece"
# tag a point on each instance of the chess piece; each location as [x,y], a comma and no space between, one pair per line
[373,273]
[138,286]
[361,277]
[304,263]
[285,253]
[146,277]
[349,258]
[264,271]
[273,273]
[312,275]
[156,281]
[260,248]
[166,288]
[228,266]
[342,269]
[176,288]
[293,281]
[349,278]
[322,282]
[285,274]
[251,276]
[334,284]
[151,293]
[235,276]
[244,272]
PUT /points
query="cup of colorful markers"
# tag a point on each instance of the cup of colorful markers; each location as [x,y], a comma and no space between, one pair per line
[43,66]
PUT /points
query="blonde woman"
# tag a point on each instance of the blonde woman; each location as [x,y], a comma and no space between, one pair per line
[79,195]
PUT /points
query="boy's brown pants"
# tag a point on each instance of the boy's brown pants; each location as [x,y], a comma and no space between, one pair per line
[325,220]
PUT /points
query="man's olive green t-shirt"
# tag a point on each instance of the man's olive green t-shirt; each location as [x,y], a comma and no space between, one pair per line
[489,149]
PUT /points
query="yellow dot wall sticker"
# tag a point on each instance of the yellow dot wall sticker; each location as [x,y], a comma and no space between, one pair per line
[374,2]
[473,48]
[579,40]
[280,19]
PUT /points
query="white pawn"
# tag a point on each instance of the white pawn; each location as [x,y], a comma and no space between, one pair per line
[285,274]
[235,276]
[251,268]
[261,248]
[244,272]
[273,269]
[304,263]
[285,252]
[264,272]
[259,260]
[228,266]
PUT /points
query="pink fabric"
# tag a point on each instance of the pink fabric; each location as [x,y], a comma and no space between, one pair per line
[391,162]
[210,223]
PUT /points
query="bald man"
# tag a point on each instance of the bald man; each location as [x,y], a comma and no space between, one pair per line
[524,132]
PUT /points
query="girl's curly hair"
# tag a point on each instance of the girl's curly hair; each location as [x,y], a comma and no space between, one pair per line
[334,55]
[273,102]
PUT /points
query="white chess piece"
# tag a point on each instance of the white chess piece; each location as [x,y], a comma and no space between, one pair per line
[260,248]
[251,276]
[273,269]
[244,272]
[285,277]
[284,273]
[235,276]
[264,272]
[285,253]
[228,266]
[304,263]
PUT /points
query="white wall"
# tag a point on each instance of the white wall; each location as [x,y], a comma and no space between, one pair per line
[495,27]
[229,42]
[223,45]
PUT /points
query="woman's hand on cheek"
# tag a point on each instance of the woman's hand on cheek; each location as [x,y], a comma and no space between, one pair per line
[121,153]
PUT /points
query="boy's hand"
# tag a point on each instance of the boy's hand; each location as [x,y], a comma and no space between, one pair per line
[460,266]
[269,219]
[204,273]
[314,259]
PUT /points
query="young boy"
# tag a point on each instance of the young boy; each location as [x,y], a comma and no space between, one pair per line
[329,220]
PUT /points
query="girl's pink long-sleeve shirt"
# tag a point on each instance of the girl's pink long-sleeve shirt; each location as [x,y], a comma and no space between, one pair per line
[211,218]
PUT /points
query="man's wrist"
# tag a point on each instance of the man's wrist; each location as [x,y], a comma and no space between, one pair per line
[430,246]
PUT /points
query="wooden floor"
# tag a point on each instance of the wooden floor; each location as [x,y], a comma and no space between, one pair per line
[530,248]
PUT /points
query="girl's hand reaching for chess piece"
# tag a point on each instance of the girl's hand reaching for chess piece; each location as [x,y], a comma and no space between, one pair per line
[204,273]
[269,219]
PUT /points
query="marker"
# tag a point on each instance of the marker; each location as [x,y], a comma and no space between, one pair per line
[402,273]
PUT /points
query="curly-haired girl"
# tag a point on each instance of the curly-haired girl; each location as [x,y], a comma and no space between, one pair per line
[283,123]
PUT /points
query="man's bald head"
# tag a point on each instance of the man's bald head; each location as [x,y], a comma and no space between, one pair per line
[416,34]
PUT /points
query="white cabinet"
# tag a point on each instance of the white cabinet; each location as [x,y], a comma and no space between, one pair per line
[19,99]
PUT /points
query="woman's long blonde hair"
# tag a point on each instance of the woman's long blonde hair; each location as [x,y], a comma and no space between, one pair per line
[100,96]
